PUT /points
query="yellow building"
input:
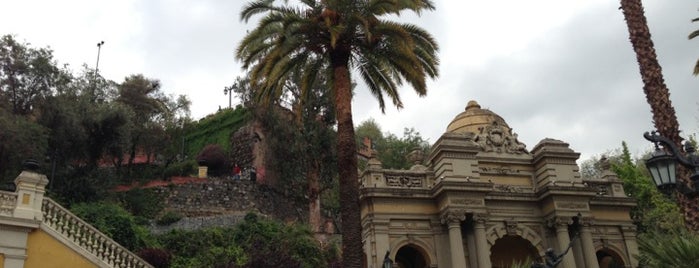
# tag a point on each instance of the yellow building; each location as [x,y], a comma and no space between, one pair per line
[36,232]
[481,199]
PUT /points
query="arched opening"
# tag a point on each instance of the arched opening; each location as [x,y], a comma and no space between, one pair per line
[410,256]
[609,259]
[512,249]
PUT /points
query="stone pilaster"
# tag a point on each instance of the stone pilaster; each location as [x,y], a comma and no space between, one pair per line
[482,248]
[588,245]
[453,219]
[560,225]
[629,233]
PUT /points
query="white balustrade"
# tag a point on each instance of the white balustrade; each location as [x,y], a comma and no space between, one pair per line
[8,201]
[83,234]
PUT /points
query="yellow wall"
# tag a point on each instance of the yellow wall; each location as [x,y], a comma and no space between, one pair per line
[43,251]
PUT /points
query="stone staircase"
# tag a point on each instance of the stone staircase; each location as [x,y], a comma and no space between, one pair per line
[27,209]
[70,227]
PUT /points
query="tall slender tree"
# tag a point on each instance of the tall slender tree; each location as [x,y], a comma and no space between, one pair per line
[335,36]
[657,94]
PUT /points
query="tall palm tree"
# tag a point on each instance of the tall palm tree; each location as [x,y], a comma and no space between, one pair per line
[657,94]
[335,36]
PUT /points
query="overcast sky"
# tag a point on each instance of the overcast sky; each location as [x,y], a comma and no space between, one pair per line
[551,69]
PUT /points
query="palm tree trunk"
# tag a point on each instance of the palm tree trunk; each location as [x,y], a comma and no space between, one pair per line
[657,95]
[347,162]
[314,215]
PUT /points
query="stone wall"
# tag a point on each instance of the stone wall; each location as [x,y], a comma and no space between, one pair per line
[221,202]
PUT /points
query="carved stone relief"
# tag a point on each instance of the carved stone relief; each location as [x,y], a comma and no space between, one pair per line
[499,139]
[404,181]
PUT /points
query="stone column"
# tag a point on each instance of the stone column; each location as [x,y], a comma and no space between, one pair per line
[563,241]
[453,220]
[472,255]
[578,253]
[482,249]
[629,233]
[588,245]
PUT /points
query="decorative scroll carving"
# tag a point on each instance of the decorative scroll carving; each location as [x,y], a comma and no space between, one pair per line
[8,201]
[499,139]
[556,222]
[453,216]
[507,188]
[571,205]
[467,201]
[480,218]
[586,221]
[503,170]
[405,181]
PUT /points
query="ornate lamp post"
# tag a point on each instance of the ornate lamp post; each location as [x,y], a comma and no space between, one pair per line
[387,262]
[662,166]
[228,91]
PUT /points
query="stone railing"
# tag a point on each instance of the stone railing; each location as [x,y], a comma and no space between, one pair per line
[8,201]
[87,237]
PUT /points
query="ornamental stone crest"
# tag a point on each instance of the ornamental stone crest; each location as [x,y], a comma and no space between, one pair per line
[500,139]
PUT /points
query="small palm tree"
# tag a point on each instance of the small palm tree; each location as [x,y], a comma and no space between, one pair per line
[333,37]
[677,249]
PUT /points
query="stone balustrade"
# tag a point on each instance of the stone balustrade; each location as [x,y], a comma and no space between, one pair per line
[87,237]
[8,201]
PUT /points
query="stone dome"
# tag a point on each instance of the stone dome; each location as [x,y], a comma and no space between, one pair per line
[473,118]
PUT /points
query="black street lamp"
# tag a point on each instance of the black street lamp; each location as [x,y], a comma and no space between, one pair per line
[662,166]
[387,262]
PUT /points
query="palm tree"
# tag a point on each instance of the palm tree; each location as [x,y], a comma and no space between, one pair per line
[657,94]
[675,248]
[333,37]
[695,33]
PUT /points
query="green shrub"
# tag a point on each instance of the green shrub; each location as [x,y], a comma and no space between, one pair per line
[168,218]
[115,222]
[255,242]
[144,203]
[180,169]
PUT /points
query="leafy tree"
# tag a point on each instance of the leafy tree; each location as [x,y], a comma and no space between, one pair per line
[393,151]
[331,37]
[654,212]
[148,104]
[27,74]
[658,95]
[20,139]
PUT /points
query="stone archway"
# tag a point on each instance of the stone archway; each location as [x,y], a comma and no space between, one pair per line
[411,256]
[609,259]
[511,249]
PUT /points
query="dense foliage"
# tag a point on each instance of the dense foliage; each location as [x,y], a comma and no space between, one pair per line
[255,242]
[115,222]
